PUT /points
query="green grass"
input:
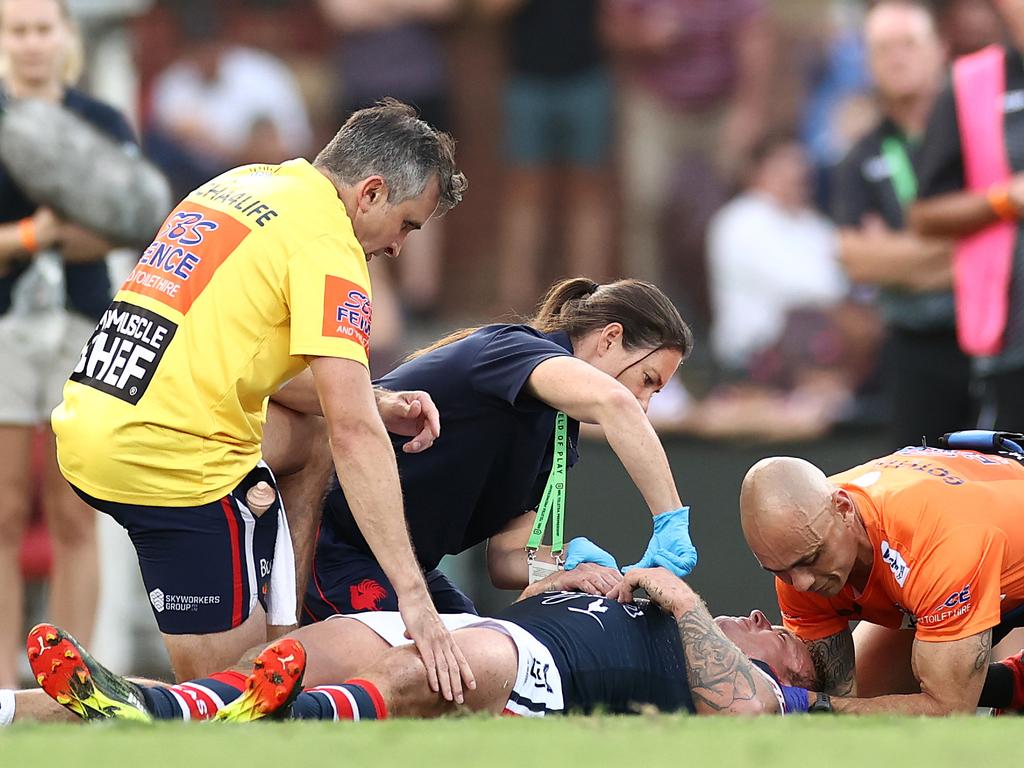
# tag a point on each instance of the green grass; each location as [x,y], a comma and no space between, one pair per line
[634,742]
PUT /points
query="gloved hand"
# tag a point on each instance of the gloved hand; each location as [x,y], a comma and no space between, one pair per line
[581,550]
[670,546]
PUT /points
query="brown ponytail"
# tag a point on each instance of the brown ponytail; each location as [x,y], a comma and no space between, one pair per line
[578,305]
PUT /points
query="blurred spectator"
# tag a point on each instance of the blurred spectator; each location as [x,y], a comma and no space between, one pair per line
[694,92]
[874,185]
[769,252]
[838,110]
[967,26]
[223,105]
[972,189]
[557,117]
[40,341]
[413,68]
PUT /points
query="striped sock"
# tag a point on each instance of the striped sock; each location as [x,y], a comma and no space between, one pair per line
[353,700]
[196,699]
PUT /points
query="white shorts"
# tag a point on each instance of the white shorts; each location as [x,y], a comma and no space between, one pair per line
[538,687]
[37,354]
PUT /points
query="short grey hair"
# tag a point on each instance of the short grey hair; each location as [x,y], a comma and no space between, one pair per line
[389,140]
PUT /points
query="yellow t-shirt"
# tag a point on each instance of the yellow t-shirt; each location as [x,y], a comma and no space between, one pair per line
[250,275]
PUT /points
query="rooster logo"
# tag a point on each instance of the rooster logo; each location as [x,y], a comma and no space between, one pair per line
[365,595]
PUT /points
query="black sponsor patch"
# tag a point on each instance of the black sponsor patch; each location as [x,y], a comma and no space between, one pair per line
[124,351]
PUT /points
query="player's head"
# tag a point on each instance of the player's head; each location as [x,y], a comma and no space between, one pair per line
[39,44]
[628,329]
[393,172]
[905,53]
[798,525]
[777,647]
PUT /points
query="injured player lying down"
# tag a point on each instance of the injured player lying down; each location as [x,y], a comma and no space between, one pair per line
[553,651]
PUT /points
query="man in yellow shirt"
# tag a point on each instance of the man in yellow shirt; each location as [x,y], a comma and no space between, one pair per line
[256,275]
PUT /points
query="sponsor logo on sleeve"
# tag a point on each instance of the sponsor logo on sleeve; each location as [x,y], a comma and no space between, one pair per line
[347,311]
[124,351]
[896,563]
[955,605]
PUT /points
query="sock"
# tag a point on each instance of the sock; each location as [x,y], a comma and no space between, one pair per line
[353,700]
[6,707]
[1004,684]
[196,699]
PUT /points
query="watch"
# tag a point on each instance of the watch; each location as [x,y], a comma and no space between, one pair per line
[822,703]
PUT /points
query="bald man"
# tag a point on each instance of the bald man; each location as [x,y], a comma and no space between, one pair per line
[925,547]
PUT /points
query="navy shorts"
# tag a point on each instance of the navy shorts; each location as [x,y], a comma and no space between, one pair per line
[348,580]
[204,567]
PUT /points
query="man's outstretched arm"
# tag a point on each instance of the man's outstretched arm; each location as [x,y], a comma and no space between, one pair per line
[951,675]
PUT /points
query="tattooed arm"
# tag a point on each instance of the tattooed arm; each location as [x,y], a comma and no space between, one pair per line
[834,663]
[722,680]
[951,676]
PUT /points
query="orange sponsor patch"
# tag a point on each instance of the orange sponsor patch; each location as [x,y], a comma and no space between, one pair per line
[347,311]
[192,243]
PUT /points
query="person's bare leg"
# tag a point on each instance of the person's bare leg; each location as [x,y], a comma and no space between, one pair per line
[36,707]
[522,236]
[1009,645]
[883,661]
[15,506]
[296,448]
[589,229]
[420,267]
[75,575]
[401,678]
[388,323]
[335,650]
[198,656]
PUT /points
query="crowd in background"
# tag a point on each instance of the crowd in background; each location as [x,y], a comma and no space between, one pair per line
[698,144]
[694,143]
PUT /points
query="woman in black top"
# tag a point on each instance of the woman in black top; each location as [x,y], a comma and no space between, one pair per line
[40,341]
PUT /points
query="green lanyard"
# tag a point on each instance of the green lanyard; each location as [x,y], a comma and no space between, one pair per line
[552,503]
[904,180]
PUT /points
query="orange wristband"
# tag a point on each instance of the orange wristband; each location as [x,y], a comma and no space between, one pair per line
[27,233]
[999,199]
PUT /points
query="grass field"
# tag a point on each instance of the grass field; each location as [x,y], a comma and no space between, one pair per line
[637,742]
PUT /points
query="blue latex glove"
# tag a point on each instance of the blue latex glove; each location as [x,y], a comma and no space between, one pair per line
[581,550]
[670,546]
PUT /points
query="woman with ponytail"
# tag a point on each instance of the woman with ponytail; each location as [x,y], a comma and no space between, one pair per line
[41,334]
[597,353]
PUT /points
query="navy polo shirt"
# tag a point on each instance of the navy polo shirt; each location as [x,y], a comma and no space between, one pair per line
[87,283]
[492,460]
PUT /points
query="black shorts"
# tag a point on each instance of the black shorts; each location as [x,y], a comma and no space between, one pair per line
[612,657]
[347,580]
[204,567]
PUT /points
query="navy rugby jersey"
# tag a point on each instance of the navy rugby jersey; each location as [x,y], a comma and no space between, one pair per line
[87,283]
[611,657]
[492,460]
